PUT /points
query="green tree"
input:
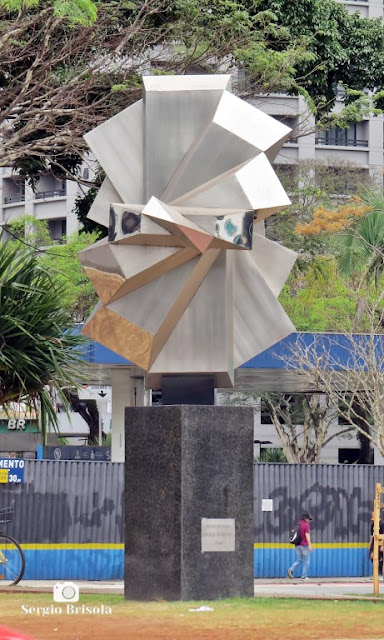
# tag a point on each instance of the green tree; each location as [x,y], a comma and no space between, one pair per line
[28,227]
[39,354]
[78,295]
[346,49]
[271,455]
[318,298]
[361,246]
[67,65]
[65,69]
[312,184]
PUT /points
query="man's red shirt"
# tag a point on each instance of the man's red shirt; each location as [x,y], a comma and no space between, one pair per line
[304,528]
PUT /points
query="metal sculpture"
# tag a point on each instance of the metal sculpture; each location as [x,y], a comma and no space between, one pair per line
[187,281]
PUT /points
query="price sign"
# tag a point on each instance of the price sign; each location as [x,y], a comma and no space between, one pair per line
[11,471]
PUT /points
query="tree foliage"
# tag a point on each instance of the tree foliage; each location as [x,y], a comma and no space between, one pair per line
[347,48]
[61,75]
[271,455]
[301,420]
[61,260]
[38,353]
[78,295]
[314,185]
[360,248]
[333,220]
[318,297]
[68,65]
[356,230]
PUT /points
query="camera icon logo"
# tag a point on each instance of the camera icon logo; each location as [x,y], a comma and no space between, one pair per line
[65,592]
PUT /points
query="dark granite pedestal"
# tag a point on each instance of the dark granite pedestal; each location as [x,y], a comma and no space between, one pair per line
[188,498]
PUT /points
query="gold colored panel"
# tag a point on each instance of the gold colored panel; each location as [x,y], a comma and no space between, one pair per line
[120,335]
[105,284]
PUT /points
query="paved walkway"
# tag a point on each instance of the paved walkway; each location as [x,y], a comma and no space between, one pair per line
[319,588]
[323,588]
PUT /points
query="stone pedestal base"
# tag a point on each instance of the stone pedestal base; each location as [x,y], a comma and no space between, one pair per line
[185,464]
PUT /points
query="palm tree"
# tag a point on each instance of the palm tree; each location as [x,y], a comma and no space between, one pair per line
[39,354]
[361,247]
[271,455]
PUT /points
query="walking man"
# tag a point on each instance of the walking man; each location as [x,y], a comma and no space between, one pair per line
[303,549]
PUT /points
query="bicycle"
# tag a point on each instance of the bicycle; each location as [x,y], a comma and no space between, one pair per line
[12,560]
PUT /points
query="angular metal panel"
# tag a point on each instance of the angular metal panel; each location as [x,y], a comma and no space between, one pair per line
[237,133]
[207,151]
[171,127]
[179,225]
[195,82]
[249,123]
[262,186]
[160,261]
[118,146]
[259,319]
[100,256]
[99,211]
[273,261]
[254,185]
[120,335]
[210,350]
[148,306]
[218,151]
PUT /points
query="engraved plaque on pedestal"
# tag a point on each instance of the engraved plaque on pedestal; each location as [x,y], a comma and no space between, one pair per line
[218,534]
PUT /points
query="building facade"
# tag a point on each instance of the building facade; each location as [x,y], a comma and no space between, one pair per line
[52,200]
[359,146]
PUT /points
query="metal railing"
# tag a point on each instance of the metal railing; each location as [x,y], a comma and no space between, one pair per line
[349,142]
[11,199]
[42,195]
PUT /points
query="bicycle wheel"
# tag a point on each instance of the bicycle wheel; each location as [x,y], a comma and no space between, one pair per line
[12,561]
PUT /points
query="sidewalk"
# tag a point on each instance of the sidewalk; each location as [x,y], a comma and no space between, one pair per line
[85,586]
[317,588]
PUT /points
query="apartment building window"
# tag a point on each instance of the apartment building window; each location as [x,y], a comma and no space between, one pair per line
[50,187]
[13,190]
[57,229]
[352,455]
[338,137]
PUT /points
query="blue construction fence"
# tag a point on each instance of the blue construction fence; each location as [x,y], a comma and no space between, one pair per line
[69,518]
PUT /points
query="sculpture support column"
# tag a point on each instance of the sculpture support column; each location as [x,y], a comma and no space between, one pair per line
[189,502]
[126,391]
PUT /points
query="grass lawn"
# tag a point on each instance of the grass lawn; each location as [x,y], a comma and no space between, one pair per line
[104,617]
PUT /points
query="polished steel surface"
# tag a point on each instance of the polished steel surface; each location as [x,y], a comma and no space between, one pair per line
[259,319]
[187,281]
[99,211]
[118,146]
[254,185]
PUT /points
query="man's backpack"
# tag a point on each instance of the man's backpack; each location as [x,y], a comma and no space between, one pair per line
[294,535]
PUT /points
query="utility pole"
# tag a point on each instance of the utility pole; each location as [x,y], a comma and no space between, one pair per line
[378,538]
